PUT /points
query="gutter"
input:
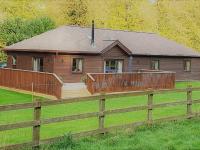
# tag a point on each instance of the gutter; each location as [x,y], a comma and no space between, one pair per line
[89,53]
[50,51]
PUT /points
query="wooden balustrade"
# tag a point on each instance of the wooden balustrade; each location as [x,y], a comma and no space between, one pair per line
[134,81]
[39,82]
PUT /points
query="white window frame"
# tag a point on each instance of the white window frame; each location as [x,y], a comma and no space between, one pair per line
[187,68]
[153,64]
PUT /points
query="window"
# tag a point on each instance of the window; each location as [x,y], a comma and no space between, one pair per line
[187,65]
[38,64]
[113,66]
[14,60]
[77,65]
[155,64]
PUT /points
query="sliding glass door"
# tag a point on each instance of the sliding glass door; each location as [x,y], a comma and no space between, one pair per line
[38,64]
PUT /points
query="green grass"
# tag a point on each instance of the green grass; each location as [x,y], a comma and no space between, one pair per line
[57,129]
[10,97]
[171,136]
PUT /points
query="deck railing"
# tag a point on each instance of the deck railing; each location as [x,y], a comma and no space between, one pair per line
[39,82]
[131,81]
[101,114]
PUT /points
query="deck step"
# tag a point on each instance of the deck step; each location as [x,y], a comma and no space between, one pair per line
[70,90]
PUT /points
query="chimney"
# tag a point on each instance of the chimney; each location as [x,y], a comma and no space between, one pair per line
[92,37]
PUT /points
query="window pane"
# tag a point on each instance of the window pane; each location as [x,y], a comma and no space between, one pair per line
[77,65]
[187,65]
[119,68]
[73,65]
[14,59]
[80,65]
[112,66]
[155,65]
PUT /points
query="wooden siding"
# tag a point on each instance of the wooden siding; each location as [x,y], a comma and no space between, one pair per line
[63,67]
[115,52]
[25,60]
[61,64]
[91,64]
[174,64]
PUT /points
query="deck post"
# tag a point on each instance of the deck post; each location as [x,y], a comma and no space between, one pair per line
[36,126]
[101,113]
[150,108]
[32,90]
[189,101]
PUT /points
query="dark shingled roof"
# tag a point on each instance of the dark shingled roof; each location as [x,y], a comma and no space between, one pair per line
[73,39]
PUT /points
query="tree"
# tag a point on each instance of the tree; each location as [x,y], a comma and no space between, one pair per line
[16,30]
[76,12]
[178,20]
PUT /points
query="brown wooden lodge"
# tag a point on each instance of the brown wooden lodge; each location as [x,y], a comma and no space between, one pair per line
[70,52]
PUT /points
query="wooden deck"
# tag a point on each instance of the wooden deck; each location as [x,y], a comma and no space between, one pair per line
[134,81]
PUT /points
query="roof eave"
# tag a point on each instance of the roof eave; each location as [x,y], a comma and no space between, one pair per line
[50,51]
[154,55]
[92,53]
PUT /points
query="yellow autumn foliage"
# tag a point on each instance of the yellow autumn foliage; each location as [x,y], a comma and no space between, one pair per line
[178,20]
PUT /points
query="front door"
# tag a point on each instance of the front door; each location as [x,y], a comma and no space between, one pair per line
[113,66]
[38,64]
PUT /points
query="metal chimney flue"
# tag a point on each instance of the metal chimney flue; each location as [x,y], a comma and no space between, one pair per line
[92,37]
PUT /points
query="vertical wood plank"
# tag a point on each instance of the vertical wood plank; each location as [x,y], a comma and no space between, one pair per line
[36,127]
[149,111]
[189,101]
[134,81]
[22,79]
[101,112]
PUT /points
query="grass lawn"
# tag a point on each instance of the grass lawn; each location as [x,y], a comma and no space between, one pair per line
[10,97]
[171,136]
[57,129]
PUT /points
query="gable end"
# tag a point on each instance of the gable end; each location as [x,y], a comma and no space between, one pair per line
[117,44]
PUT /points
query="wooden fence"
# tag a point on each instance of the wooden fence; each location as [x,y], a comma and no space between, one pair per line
[101,114]
[40,82]
[134,81]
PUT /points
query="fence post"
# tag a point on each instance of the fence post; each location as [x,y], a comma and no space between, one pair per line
[32,90]
[101,113]
[189,101]
[150,103]
[36,126]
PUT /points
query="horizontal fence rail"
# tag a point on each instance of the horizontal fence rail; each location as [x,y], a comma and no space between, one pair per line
[101,114]
[39,82]
[130,81]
